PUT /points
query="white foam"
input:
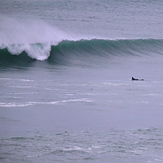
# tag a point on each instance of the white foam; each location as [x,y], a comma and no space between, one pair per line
[35,37]
[8,105]
[24,80]
[30,103]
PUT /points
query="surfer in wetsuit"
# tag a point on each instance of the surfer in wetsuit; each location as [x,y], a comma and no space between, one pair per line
[137,79]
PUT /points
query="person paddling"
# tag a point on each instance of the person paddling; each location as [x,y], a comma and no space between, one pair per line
[137,79]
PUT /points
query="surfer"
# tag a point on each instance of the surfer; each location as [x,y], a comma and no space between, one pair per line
[137,79]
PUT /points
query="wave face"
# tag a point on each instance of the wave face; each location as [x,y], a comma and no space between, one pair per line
[105,48]
[82,50]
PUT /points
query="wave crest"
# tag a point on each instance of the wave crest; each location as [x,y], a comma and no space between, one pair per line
[34,37]
[35,51]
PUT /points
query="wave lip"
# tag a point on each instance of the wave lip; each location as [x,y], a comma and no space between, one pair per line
[38,51]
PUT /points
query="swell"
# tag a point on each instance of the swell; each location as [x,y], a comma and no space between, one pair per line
[69,52]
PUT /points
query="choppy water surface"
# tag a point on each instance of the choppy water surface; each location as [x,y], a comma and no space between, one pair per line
[143,145]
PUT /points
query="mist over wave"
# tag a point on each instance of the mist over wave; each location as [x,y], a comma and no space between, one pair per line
[35,37]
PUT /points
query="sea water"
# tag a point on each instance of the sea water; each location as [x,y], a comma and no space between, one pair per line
[66,93]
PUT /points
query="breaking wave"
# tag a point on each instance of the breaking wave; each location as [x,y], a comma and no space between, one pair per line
[22,42]
[68,49]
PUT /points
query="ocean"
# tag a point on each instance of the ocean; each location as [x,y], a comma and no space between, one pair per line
[66,88]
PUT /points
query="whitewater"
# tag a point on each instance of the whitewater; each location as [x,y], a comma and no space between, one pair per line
[32,36]
[66,89]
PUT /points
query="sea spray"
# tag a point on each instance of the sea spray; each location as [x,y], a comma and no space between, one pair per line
[35,37]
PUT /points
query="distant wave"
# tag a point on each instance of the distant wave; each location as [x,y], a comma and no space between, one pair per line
[68,50]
